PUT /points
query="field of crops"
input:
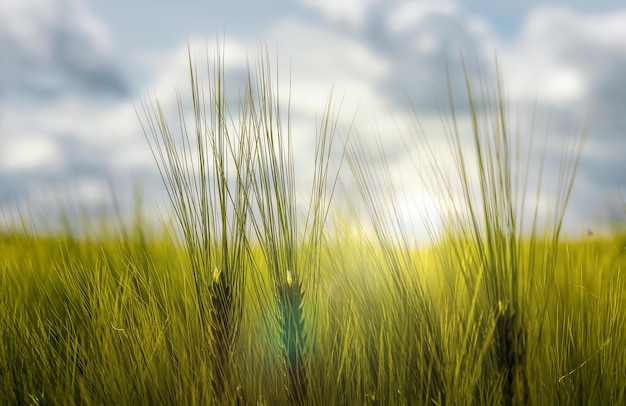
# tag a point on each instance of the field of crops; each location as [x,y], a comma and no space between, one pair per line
[119,322]
[243,299]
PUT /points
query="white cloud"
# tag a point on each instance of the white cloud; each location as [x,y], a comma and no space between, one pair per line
[351,12]
[409,14]
[566,62]
[564,27]
[560,55]
[321,60]
[71,146]
[29,152]
[312,62]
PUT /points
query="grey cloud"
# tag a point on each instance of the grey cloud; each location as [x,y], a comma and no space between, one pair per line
[53,51]
[82,164]
[79,159]
[602,62]
[55,48]
[418,71]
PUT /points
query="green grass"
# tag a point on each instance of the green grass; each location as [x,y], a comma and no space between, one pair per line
[245,298]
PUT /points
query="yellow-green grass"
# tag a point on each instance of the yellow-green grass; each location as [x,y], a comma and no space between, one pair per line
[91,323]
[242,299]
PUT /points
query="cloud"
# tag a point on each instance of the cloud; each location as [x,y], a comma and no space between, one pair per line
[72,141]
[352,13]
[308,62]
[29,152]
[51,47]
[561,56]
[315,60]
[372,54]
[65,111]
[560,62]
[418,39]
[567,63]
[409,14]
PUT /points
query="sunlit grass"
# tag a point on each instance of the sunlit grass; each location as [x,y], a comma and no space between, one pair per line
[242,298]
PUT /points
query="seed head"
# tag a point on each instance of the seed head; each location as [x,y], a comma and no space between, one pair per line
[216,274]
[501,307]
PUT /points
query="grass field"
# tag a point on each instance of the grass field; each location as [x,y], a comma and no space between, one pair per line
[243,299]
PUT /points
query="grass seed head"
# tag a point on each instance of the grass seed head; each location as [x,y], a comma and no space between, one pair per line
[289,278]
[216,274]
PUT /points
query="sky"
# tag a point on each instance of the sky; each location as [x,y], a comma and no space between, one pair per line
[71,72]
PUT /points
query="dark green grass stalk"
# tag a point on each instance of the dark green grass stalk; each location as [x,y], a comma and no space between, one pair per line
[275,223]
[484,229]
[206,171]
[291,245]
[216,209]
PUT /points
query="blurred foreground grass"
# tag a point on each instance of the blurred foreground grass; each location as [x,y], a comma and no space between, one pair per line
[115,322]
